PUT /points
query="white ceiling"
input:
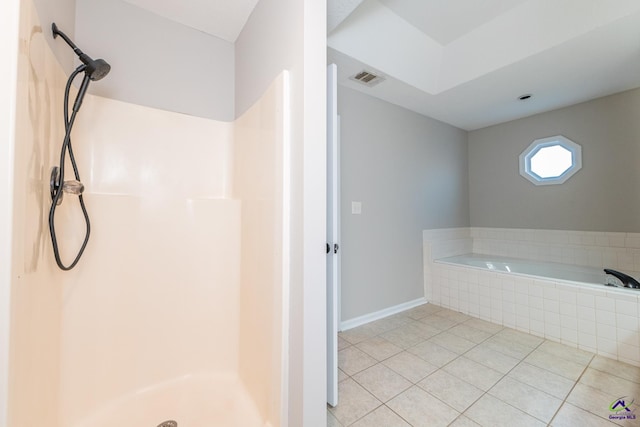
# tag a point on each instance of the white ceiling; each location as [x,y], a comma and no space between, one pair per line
[221,18]
[465,62]
[448,20]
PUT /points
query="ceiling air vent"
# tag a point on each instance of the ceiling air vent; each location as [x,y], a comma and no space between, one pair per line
[367,78]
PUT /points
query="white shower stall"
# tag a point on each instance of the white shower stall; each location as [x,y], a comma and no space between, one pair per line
[194,294]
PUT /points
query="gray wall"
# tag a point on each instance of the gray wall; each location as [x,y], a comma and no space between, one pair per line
[410,173]
[157,62]
[268,44]
[603,196]
[63,13]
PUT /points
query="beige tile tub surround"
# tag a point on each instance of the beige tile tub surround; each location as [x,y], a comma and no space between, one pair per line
[598,249]
[507,378]
[603,321]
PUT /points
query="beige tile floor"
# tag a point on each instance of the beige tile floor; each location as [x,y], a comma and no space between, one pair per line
[432,367]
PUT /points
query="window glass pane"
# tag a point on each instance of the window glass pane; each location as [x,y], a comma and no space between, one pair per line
[551,161]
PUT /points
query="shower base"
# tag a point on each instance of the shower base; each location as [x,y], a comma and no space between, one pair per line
[191,401]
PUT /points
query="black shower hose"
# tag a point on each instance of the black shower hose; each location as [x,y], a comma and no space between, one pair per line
[66,146]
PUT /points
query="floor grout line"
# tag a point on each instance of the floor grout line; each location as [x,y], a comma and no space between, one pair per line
[503,376]
[439,368]
[450,314]
[570,391]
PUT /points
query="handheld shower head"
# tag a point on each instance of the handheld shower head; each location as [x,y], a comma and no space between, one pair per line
[93,70]
[96,69]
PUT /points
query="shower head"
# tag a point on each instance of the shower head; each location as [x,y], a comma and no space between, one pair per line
[96,69]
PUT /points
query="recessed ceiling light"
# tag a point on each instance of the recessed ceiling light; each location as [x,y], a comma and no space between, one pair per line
[525,97]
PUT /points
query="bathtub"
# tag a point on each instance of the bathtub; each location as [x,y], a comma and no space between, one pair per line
[572,274]
[191,400]
[564,303]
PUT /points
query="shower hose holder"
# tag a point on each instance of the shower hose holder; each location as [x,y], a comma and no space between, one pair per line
[71,187]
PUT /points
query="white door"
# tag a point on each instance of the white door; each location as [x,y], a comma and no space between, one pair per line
[333,235]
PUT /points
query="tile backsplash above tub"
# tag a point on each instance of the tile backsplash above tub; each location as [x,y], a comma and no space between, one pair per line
[597,249]
[620,251]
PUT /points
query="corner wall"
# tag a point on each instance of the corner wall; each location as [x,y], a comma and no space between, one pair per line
[260,182]
[36,286]
[9,32]
[410,174]
[602,196]
[291,35]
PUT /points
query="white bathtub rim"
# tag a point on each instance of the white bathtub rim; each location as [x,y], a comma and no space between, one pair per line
[571,283]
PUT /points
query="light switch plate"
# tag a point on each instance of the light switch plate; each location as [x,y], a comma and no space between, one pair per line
[356,208]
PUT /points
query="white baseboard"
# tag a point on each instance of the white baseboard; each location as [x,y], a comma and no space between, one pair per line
[367,318]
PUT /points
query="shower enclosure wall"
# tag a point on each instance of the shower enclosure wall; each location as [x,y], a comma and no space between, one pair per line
[177,309]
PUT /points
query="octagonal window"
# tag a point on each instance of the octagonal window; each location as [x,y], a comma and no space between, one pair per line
[550,160]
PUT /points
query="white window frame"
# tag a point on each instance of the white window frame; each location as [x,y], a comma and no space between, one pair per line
[537,145]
